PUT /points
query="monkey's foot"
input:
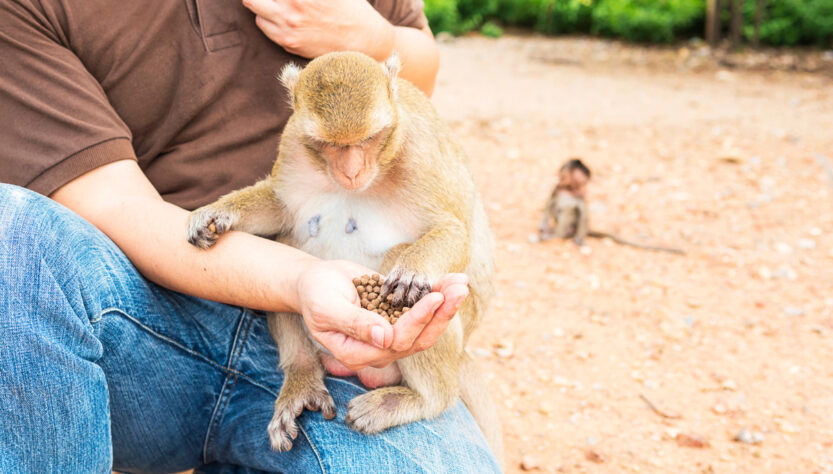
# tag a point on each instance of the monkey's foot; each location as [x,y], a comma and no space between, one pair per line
[205,225]
[406,286]
[289,405]
[383,408]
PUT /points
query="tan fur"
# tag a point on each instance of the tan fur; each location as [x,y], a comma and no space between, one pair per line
[418,170]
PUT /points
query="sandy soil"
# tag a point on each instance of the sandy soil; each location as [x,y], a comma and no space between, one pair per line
[735,335]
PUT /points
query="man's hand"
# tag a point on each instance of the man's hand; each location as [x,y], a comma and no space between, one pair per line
[311,28]
[359,338]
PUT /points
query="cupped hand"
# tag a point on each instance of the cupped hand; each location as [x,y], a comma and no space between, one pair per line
[311,28]
[358,338]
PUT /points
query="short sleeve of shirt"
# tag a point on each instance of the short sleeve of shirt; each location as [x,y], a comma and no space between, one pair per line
[55,120]
[402,12]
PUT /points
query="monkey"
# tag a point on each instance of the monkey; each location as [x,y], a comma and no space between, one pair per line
[367,171]
[567,207]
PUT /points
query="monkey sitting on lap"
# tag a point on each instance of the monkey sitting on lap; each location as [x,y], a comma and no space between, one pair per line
[366,171]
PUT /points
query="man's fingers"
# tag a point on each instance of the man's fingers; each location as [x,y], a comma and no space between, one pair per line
[412,323]
[266,8]
[454,296]
[361,324]
[450,279]
[352,353]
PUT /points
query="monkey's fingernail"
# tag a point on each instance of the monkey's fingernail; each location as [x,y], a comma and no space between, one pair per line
[378,336]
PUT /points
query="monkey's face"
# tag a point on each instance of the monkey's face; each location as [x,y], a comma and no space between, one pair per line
[345,112]
[573,181]
[354,165]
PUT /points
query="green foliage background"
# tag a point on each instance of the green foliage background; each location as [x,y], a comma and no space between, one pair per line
[785,22]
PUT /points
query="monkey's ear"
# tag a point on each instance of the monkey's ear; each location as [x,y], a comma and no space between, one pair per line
[392,67]
[289,78]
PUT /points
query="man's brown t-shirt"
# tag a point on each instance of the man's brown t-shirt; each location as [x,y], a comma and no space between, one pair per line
[186,87]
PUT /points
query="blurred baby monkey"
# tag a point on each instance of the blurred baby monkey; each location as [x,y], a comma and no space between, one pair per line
[565,213]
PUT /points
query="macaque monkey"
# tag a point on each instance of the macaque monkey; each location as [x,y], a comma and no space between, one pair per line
[567,208]
[366,171]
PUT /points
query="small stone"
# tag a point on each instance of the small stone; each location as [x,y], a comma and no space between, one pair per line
[479,352]
[585,250]
[806,244]
[815,231]
[793,311]
[749,437]
[783,248]
[504,349]
[529,463]
[692,440]
[729,384]
[594,455]
[787,273]
[533,238]
[765,273]
[786,427]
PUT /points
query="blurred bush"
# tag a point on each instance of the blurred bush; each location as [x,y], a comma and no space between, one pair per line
[785,22]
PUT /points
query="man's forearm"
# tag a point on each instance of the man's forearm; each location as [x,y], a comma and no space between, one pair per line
[241,269]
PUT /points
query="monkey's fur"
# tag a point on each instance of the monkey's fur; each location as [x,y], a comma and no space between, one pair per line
[567,208]
[364,144]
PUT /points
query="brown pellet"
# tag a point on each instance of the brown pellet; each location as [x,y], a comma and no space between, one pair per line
[369,288]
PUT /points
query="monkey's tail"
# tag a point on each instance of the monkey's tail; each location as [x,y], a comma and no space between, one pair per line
[621,241]
[475,394]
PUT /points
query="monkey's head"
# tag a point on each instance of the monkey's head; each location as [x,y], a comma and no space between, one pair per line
[345,113]
[573,177]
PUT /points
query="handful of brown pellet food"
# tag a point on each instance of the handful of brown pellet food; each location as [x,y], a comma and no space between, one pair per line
[370,290]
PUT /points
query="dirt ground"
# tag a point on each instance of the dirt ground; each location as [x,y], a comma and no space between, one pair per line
[735,335]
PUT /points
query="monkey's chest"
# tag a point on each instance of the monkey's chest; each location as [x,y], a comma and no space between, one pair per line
[356,228]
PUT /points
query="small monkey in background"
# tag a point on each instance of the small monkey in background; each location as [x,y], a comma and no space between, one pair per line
[567,208]
[366,171]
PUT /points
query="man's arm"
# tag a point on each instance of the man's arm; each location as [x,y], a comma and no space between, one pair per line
[250,271]
[311,28]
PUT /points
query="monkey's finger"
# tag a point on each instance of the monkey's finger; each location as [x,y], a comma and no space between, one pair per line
[414,321]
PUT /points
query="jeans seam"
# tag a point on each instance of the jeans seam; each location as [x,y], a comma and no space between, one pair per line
[314,448]
[225,392]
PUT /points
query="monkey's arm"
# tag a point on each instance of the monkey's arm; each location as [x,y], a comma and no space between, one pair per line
[581,223]
[254,209]
[443,249]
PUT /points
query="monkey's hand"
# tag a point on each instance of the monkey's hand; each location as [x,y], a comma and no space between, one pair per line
[406,285]
[206,224]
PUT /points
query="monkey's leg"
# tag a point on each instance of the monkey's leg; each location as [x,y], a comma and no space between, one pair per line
[303,383]
[254,209]
[545,227]
[431,381]
[581,224]
[475,394]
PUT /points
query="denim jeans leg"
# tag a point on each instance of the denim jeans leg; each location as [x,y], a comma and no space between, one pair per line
[54,412]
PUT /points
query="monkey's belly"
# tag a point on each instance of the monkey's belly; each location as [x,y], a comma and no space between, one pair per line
[352,228]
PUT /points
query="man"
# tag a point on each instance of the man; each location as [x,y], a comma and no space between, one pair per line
[113,353]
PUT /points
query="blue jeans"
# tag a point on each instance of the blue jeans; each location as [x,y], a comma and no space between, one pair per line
[101,369]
